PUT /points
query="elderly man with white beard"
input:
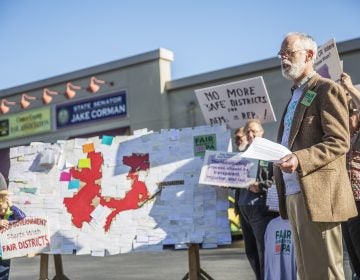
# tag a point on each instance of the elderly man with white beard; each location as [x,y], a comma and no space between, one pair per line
[312,182]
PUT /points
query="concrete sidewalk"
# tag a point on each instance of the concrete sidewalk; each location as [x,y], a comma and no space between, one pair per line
[228,263]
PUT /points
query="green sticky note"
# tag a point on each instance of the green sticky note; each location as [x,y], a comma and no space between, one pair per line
[263,163]
[28,190]
[107,140]
[84,163]
[308,98]
[74,184]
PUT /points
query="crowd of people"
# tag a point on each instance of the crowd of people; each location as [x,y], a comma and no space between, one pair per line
[318,183]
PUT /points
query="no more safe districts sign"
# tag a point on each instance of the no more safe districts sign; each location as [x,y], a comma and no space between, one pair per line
[27,236]
[236,103]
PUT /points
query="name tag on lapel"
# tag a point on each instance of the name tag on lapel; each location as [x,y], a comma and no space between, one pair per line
[308,98]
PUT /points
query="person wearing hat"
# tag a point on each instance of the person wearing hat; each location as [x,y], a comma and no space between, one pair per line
[8,213]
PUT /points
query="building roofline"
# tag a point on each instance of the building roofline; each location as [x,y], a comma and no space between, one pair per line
[160,53]
[252,67]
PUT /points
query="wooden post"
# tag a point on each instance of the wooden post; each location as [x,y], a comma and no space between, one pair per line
[44,266]
[59,272]
[195,271]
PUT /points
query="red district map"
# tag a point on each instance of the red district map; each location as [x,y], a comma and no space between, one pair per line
[81,205]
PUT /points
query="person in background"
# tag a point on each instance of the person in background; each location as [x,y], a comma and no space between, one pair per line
[351,228]
[8,213]
[279,251]
[240,139]
[251,202]
[312,182]
[347,84]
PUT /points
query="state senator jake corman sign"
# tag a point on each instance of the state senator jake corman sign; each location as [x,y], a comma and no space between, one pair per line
[24,237]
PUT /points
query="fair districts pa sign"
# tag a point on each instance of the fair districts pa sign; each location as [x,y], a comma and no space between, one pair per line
[24,237]
[236,103]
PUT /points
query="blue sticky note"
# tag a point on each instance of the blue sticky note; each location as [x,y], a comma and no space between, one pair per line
[74,184]
[107,140]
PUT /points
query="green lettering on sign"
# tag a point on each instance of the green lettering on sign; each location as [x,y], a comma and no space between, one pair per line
[203,143]
[308,98]
[25,123]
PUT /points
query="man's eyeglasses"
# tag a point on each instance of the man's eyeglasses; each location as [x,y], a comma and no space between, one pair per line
[288,53]
[353,111]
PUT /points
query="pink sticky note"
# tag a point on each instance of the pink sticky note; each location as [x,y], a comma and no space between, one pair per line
[65,176]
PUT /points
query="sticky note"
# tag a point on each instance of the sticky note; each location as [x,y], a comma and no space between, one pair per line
[74,184]
[65,176]
[84,163]
[107,140]
[28,190]
[88,148]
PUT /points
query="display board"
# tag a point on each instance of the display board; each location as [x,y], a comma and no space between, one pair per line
[111,195]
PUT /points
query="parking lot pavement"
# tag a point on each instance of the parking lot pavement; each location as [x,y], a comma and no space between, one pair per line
[225,263]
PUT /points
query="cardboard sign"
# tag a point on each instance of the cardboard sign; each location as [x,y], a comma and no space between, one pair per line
[272,200]
[227,170]
[236,103]
[28,236]
[328,63]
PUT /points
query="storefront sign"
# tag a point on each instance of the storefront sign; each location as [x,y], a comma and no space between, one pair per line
[24,124]
[103,107]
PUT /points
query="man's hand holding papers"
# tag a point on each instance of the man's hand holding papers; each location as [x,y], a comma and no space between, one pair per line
[264,149]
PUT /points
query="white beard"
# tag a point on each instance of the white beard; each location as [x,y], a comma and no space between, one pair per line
[293,71]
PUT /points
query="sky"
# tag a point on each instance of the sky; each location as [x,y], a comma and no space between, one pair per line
[40,39]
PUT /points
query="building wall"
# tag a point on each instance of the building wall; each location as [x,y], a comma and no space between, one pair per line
[184,108]
[143,77]
[154,101]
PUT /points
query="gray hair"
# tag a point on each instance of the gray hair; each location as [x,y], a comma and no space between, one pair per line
[306,42]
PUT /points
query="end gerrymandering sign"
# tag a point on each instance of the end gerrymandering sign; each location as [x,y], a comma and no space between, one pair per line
[236,103]
[28,236]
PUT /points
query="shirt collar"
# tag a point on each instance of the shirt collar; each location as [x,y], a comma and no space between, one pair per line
[303,82]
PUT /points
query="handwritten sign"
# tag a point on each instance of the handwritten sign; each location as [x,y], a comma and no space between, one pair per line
[236,103]
[328,63]
[28,236]
[227,170]
[272,200]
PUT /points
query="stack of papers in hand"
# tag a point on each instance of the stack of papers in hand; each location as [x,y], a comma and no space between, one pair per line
[264,149]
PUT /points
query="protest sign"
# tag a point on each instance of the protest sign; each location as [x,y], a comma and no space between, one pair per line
[227,170]
[125,194]
[28,236]
[328,63]
[236,103]
[272,200]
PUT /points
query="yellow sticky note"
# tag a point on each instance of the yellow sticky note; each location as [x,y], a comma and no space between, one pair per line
[84,163]
[87,148]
